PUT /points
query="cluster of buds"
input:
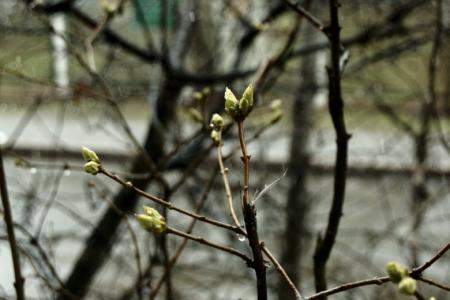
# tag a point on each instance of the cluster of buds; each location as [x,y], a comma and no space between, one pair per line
[399,274]
[152,220]
[238,110]
[92,165]
[200,96]
[217,124]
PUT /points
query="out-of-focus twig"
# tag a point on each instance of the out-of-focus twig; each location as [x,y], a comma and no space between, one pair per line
[7,215]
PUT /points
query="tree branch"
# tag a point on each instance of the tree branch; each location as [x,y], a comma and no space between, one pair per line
[7,215]
[336,108]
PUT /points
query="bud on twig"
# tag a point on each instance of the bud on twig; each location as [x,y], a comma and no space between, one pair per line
[217,121]
[89,155]
[231,103]
[92,167]
[152,220]
[246,102]
[407,286]
[396,271]
[216,137]
[238,110]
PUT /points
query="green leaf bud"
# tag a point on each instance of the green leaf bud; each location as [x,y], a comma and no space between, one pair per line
[246,102]
[396,271]
[407,286]
[217,121]
[231,103]
[248,95]
[92,167]
[89,155]
[129,184]
[152,220]
[216,137]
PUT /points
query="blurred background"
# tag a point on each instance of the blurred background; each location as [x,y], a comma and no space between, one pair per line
[137,81]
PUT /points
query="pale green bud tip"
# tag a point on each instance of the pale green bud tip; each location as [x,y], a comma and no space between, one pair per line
[433,298]
[407,286]
[151,220]
[89,155]
[215,137]
[396,271]
[248,94]
[231,103]
[129,184]
[217,121]
[246,102]
[92,167]
[150,211]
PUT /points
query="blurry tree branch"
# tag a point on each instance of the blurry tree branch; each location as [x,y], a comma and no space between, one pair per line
[336,108]
[7,216]
[415,273]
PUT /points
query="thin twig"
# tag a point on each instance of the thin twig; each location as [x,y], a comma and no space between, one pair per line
[48,204]
[434,283]
[134,239]
[190,228]
[7,215]
[308,16]
[226,183]
[169,205]
[417,271]
[203,241]
[349,286]
[419,296]
[281,270]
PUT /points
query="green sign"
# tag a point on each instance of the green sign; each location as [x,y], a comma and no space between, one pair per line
[150,12]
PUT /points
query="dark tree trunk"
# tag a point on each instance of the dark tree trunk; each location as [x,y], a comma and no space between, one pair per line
[98,245]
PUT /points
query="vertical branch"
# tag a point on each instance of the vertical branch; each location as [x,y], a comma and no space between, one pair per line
[226,183]
[251,222]
[7,215]
[336,108]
